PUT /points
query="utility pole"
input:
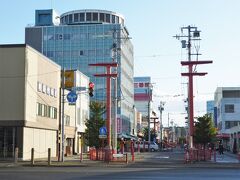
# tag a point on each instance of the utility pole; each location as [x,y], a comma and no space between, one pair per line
[114,119]
[62,110]
[149,114]
[193,34]
[161,109]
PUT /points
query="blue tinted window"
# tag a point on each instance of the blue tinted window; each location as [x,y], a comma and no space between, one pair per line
[82,17]
[88,16]
[102,17]
[70,18]
[95,16]
[108,18]
[113,19]
[76,17]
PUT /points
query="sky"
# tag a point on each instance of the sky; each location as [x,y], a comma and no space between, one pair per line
[152,25]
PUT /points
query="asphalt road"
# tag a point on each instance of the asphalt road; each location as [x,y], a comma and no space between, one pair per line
[156,165]
[75,173]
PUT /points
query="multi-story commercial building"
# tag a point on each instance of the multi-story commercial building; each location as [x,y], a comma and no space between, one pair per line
[143,97]
[75,125]
[79,38]
[29,108]
[30,115]
[227,102]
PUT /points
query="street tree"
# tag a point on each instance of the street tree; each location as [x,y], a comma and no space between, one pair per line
[94,123]
[152,134]
[204,132]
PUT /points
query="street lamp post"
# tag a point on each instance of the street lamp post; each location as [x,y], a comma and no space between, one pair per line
[161,109]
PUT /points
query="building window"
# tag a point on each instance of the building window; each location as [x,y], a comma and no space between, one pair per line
[95,16]
[51,92]
[117,19]
[48,90]
[55,113]
[108,18]
[58,36]
[66,19]
[39,87]
[67,120]
[62,20]
[88,16]
[230,124]
[102,17]
[49,111]
[82,17]
[55,92]
[45,113]
[231,94]
[141,84]
[81,52]
[39,109]
[113,19]
[66,36]
[76,18]
[43,88]
[229,108]
[70,18]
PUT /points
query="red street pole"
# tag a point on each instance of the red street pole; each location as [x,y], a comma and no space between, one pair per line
[108,108]
[108,75]
[191,116]
[132,149]
[190,75]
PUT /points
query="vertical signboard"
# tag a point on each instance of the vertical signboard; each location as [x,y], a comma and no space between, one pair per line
[119,124]
[215,116]
[69,79]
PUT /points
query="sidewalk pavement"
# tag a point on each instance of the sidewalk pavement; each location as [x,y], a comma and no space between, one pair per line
[150,160]
[227,157]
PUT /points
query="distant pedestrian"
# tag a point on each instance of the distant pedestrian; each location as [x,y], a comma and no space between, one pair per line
[220,148]
[186,147]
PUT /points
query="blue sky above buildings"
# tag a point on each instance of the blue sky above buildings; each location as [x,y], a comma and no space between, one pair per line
[151,24]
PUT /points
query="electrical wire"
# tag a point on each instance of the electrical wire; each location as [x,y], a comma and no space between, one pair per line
[33,75]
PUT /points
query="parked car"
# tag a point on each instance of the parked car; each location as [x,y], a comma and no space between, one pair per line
[153,145]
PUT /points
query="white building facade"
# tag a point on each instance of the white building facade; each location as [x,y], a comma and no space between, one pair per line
[227,102]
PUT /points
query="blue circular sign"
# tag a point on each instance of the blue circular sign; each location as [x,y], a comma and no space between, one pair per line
[103,131]
[72,97]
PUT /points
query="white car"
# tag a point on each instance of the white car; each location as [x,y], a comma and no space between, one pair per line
[153,145]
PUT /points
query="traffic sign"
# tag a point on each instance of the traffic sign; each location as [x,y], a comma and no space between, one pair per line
[103,131]
[102,136]
[80,88]
[72,97]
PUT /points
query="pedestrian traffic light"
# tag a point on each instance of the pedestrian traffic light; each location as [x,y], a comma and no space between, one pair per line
[90,89]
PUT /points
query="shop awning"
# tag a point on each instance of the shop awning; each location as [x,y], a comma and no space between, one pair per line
[223,135]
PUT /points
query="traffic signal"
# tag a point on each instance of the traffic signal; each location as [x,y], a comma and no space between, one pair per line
[90,89]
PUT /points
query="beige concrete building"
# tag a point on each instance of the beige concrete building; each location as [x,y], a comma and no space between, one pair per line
[29,96]
[30,114]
